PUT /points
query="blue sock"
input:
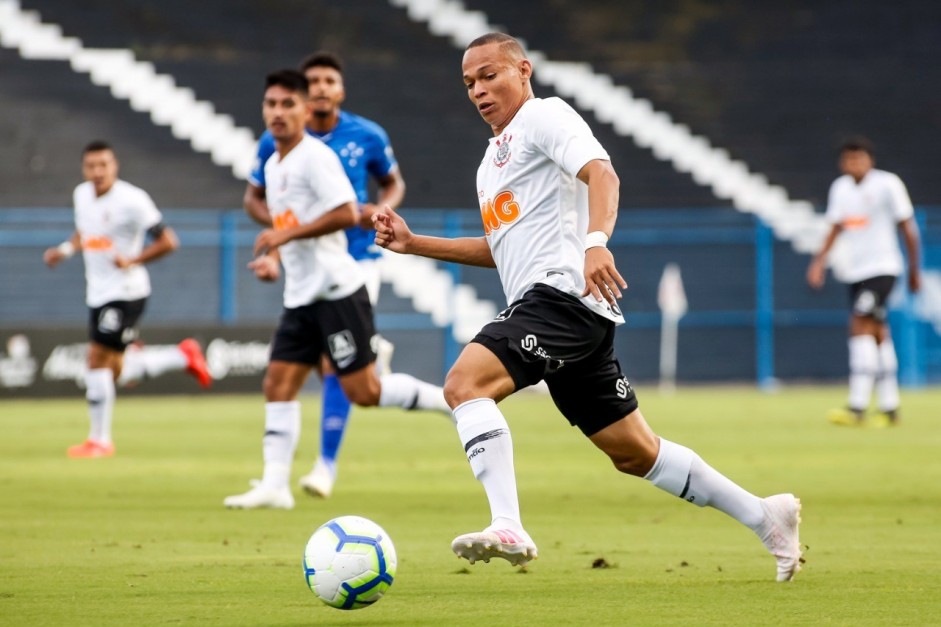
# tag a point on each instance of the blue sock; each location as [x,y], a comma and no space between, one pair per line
[336,411]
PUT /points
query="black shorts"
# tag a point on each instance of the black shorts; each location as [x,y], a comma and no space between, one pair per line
[551,335]
[868,298]
[114,324]
[342,329]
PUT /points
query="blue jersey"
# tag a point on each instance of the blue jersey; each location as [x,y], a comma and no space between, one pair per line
[364,151]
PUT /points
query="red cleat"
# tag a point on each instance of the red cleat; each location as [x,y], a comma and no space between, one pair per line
[90,449]
[196,361]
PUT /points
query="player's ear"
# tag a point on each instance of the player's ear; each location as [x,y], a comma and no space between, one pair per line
[525,69]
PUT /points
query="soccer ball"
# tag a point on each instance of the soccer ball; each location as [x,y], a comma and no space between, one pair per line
[349,562]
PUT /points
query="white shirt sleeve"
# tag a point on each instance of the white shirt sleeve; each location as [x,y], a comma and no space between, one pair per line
[329,181]
[147,214]
[901,203]
[834,214]
[561,133]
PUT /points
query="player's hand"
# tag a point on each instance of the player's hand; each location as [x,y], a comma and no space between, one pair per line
[816,274]
[602,279]
[269,239]
[266,268]
[392,232]
[122,262]
[52,257]
[914,281]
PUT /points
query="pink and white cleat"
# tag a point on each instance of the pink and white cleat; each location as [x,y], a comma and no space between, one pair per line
[513,545]
[779,533]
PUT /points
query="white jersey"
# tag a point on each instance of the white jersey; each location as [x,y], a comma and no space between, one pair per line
[869,212]
[534,209]
[109,225]
[307,183]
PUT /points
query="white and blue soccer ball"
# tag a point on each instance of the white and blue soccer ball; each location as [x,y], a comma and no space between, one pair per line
[349,562]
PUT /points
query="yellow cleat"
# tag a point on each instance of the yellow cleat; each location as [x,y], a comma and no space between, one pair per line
[883,420]
[845,417]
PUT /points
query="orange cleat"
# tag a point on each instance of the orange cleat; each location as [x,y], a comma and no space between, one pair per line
[196,361]
[90,448]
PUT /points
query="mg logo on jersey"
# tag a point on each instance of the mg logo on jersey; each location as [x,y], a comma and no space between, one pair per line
[503,151]
[529,342]
[284,220]
[503,210]
[342,348]
[623,387]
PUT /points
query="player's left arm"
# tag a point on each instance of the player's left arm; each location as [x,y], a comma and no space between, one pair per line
[909,229]
[391,194]
[342,217]
[602,279]
[163,242]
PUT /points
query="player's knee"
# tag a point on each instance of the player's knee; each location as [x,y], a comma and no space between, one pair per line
[459,389]
[636,465]
[364,394]
[276,389]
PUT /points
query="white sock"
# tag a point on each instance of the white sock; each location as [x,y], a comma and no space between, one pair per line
[282,431]
[150,361]
[407,392]
[99,392]
[489,448]
[864,363]
[681,472]
[887,383]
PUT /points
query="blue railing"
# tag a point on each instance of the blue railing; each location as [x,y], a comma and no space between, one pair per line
[737,275]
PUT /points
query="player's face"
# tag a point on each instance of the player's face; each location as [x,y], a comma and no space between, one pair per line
[325,88]
[101,168]
[856,163]
[496,83]
[285,112]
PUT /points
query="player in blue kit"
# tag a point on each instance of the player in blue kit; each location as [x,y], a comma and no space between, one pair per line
[365,152]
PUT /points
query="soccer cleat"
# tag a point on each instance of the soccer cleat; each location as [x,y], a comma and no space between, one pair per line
[261,496]
[884,419]
[91,448]
[845,417]
[195,361]
[384,351]
[779,533]
[319,481]
[515,546]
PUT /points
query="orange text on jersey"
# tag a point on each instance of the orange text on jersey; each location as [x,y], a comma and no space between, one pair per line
[502,210]
[285,220]
[855,222]
[96,242]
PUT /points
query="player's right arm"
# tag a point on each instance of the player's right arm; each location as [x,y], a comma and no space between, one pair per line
[267,267]
[817,271]
[52,256]
[255,204]
[393,233]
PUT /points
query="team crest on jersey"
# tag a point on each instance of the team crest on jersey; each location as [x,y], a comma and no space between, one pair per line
[503,151]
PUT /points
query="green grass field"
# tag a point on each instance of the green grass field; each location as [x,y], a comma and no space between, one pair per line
[143,539]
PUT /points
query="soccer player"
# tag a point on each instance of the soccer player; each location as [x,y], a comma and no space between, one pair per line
[864,208]
[549,197]
[365,152]
[326,305]
[112,220]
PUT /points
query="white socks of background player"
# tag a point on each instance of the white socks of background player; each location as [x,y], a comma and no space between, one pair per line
[681,472]
[887,382]
[282,431]
[864,365]
[99,392]
[150,361]
[489,449]
[407,392]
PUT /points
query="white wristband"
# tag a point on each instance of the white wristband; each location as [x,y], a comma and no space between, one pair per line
[66,249]
[596,238]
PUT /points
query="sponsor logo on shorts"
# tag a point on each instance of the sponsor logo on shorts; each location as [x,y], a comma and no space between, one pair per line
[342,348]
[529,342]
[506,313]
[110,319]
[865,302]
[623,387]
